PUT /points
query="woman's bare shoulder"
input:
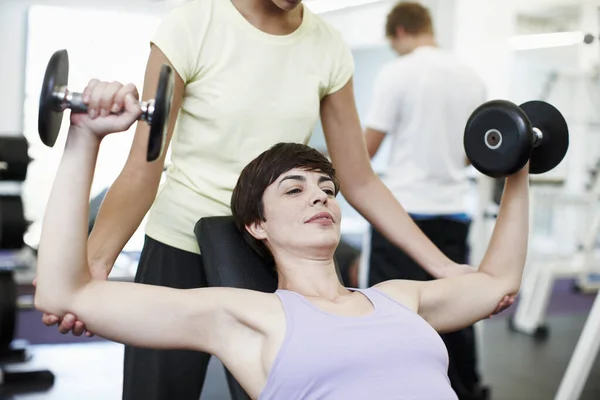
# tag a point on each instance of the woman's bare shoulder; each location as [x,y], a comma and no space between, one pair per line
[251,307]
[404,292]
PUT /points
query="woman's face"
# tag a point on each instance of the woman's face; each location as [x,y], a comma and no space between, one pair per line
[302,215]
[287,5]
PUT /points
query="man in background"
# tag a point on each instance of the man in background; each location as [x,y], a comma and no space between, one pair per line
[421,102]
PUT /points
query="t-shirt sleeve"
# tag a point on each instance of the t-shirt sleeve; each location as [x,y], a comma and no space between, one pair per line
[383,111]
[175,38]
[342,66]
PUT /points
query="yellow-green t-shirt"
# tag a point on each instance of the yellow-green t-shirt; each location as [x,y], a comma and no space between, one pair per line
[245,91]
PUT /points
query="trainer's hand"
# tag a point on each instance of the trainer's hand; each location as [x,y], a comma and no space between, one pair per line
[69,322]
[112,107]
[506,302]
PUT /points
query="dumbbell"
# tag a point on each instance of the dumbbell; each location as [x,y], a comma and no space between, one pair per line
[55,98]
[500,137]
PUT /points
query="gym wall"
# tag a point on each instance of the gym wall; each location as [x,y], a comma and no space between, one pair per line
[31,31]
[96,49]
[108,54]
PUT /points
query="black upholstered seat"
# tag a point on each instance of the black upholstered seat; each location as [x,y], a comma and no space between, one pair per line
[228,260]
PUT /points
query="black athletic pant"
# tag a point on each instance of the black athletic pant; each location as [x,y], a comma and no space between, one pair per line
[389,262]
[169,374]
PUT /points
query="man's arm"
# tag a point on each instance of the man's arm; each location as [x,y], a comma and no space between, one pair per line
[384,111]
[362,187]
[140,315]
[454,303]
[373,139]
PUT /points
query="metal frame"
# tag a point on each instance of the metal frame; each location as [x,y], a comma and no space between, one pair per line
[537,287]
[541,273]
[583,357]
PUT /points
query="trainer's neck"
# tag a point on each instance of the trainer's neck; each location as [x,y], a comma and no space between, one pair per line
[264,15]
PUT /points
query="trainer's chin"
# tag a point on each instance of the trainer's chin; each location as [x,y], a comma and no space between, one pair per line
[289,5]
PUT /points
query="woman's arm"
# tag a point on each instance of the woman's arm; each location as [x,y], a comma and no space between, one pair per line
[154,316]
[136,314]
[454,303]
[133,192]
[365,191]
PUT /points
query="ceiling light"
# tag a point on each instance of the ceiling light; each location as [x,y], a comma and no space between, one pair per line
[546,40]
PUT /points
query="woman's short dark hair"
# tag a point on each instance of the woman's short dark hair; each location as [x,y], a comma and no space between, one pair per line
[247,199]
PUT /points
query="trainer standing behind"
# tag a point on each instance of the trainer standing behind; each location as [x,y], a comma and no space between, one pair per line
[422,100]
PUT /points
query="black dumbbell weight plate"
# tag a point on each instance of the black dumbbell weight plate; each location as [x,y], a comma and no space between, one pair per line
[8,309]
[555,143]
[497,139]
[14,225]
[49,120]
[162,111]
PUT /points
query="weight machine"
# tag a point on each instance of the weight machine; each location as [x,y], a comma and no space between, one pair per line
[586,350]
[588,345]
[542,273]
[14,160]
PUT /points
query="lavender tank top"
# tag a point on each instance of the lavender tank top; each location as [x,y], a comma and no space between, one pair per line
[391,353]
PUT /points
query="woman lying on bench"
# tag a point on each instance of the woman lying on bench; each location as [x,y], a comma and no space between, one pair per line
[312,338]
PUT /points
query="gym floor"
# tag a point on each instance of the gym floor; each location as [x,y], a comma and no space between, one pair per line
[515,365]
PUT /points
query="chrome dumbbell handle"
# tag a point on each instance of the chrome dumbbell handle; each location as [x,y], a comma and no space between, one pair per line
[538,135]
[64,99]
